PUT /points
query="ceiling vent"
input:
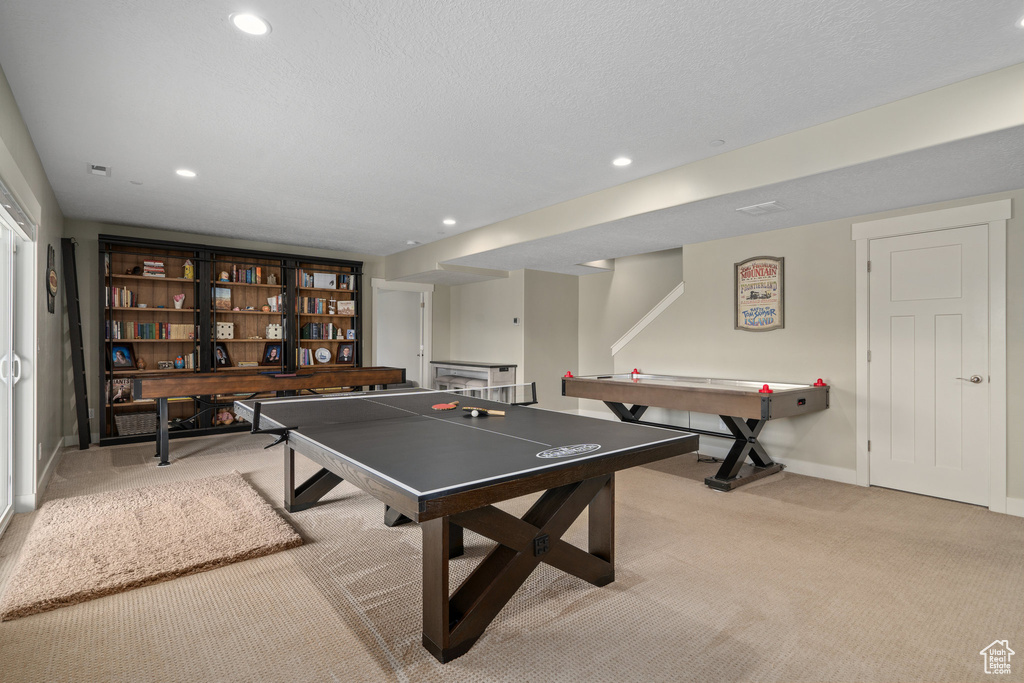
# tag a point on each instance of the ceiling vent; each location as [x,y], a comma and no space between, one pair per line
[96,169]
[761,209]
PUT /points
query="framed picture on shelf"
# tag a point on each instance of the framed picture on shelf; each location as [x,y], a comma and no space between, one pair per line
[325,280]
[222,298]
[119,390]
[346,353]
[350,334]
[221,358]
[347,308]
[122,356]
[271,354]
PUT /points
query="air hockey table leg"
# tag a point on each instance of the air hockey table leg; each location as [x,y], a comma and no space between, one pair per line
[734,472]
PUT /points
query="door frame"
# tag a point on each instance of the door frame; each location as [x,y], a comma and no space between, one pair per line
[426,322]
[995,214]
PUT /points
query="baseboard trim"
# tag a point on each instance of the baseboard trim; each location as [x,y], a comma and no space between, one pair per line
[1015,506]
[28,502]
[820,471]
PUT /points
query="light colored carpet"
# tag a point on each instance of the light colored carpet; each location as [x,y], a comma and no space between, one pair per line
[86,547]
[788,579]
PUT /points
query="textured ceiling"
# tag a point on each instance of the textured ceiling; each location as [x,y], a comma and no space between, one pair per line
[359,125]
[966,168]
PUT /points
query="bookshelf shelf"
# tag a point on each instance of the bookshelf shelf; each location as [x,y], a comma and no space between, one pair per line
[120,294]
[150,278]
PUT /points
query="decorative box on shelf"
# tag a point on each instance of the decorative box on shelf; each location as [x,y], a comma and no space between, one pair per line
[274,331]
[225,330]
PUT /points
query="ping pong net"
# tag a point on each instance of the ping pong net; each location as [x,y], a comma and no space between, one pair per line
[280,415]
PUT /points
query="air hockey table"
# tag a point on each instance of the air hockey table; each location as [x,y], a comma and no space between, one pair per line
[744,406]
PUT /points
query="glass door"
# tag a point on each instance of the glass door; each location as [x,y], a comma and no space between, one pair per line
[10,369]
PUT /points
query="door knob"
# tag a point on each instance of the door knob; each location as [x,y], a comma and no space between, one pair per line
[973,379]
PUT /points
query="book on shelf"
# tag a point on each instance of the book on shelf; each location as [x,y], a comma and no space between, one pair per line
[323,331]
[153,268]
[118,329]
[222,298]
[119,390]
[247,276]
[120,297]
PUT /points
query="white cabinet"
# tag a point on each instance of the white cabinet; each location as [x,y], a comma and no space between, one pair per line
[459,374]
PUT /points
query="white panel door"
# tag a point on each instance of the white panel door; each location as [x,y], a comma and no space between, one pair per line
[9,369]
[399,331]
[928,372]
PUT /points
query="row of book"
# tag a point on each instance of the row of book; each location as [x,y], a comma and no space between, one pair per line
[153,269]
[326,280]
[133,330]
[323,331]
[250,276]
[313,306]
[121,297]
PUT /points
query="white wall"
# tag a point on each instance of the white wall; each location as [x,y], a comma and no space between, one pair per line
[542,346]
[481,321]
[38,333]
[551,325]
[695,335]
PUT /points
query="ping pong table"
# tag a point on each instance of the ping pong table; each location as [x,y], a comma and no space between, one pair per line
[445,470]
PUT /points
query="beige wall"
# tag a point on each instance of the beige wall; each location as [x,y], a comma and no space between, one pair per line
[481,321]
[85,234]
[551,322]
[542,346]
[39,334]
[441,324]
[695,335]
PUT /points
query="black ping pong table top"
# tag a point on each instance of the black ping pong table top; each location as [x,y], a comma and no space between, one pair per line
[397,438]
[445,470]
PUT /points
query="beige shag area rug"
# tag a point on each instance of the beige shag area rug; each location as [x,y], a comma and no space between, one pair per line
[89,546]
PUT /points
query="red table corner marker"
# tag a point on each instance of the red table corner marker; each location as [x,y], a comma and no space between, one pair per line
[765,390]
[819,383]
[568,374]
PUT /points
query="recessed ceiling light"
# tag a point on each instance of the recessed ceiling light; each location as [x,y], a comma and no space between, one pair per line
[250,23]
[717,143]
[185,173]
[622,161]
[411,242]
[449,221]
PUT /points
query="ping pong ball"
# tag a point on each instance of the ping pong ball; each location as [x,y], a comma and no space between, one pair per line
[475,413]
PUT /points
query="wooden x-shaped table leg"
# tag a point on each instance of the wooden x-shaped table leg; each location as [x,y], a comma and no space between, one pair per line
[451,624]
[733,471]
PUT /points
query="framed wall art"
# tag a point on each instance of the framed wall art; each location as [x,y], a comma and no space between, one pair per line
[760,295]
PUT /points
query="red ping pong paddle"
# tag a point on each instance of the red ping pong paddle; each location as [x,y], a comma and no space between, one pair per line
[445,406]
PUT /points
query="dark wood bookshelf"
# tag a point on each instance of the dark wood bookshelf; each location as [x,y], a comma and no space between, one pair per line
[121,290]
